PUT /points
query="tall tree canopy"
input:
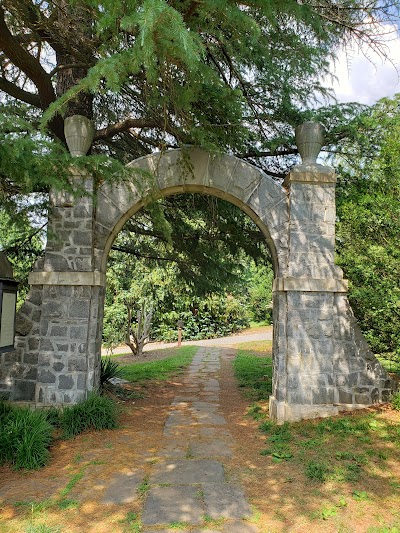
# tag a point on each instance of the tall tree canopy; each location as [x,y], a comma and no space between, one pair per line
[222,74]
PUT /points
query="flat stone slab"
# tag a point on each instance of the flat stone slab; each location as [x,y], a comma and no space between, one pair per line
[178,418]
[175,448]
[184,432]
[215,448]
[225,501]
[215,432]
[209,407]
[165,505]
[185,398]
[123,488]
[187,472]
[211,419]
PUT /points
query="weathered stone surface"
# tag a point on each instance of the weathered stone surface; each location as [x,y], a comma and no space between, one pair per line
[214,448]
[122,488]
[23,390]
[187,472]
[165,505]
[65,382]
[225,501]
[316,337]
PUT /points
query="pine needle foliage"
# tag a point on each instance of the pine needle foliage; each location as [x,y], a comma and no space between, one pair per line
[225,75]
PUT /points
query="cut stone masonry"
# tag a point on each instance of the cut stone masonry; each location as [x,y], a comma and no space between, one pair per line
[322,363]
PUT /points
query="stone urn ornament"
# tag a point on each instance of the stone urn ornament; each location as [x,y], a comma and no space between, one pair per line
[79,133]
[310,138]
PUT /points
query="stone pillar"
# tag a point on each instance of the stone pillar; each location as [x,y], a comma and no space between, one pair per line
[72,294]
[322,364]
[303,367]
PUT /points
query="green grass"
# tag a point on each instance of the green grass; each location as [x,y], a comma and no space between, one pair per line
[75,478]
[396,401]
[334,452]
[263,323]
[162,369]
[254,374]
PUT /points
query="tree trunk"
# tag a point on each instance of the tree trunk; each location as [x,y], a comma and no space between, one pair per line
[74,16]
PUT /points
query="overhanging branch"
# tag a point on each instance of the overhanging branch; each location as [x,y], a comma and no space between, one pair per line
[18,93]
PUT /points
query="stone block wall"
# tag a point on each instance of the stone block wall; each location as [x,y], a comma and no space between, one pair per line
[18,368]
[359,378]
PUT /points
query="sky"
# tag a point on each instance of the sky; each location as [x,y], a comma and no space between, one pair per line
[367,79]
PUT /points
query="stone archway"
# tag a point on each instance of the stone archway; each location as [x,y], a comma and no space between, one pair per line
[321,362]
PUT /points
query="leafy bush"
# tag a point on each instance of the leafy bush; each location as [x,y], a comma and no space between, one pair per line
[25,436]
[96,412]
[396,401]
[215,316]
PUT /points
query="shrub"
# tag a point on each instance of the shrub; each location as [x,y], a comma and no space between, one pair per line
[53,416]
[24,438]
[5,410]
[396,401]
[96,412]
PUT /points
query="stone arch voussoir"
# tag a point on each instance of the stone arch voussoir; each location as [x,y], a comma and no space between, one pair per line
[194,171]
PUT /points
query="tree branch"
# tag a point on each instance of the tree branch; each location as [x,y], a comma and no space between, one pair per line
[27,63]
[130,251]
[275,153]
[18,93]
[127,124]
[67,66]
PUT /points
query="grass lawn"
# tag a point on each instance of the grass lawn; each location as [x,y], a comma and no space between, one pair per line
[253,369]
[161,369]
[343,472]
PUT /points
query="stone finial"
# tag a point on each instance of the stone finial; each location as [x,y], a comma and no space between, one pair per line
[309,140]
[79,133]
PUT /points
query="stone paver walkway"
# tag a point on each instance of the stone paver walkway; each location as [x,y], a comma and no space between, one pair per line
[189,485]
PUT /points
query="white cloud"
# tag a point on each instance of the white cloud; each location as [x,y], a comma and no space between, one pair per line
[365,78]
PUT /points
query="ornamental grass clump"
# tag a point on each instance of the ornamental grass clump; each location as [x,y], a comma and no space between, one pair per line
[108,369]
[96,412]
[25,437]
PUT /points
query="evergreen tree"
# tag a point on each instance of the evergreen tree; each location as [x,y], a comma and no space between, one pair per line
[368,229]
[227,75]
